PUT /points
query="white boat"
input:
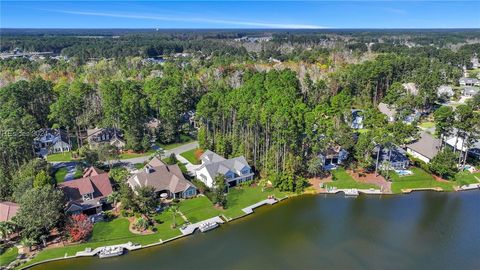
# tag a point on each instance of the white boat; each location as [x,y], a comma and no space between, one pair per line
[107,252]
[207,226]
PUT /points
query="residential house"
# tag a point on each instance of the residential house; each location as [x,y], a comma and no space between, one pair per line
[470,91]
[88,194]
[458,144]
[97,136]
[164,179]
[8,210]
[393,158]
[445,90]
[425,148]
[391,113]
[357,119]
[333,157]
[49,141]
[469,81]
[189,117]
[387,110]
[235,170]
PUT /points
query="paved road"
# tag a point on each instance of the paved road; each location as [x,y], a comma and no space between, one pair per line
[130,161]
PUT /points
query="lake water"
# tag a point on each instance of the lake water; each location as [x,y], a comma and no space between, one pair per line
[425,230]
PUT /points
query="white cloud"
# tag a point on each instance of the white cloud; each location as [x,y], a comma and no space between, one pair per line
[193,19]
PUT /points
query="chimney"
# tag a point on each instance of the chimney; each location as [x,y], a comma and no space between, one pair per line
[147,170]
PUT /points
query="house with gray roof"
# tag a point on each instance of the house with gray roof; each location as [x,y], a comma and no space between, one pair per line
[425,148]
[164,179]
[235,170]
[468,81]
[387,110]
[470,91]
[393,158]
[49,141]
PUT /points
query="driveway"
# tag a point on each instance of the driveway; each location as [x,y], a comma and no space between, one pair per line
[177,151]
[70,172]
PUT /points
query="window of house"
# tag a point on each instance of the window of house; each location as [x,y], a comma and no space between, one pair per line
[88,196]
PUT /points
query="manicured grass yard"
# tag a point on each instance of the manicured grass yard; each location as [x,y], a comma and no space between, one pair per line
[62,172]
[345,181]
[419,179]
[241,197]
[60,175]
[78,173]
[138,165]
[427,124]
[59,157]
[8,256]
[198,209]
[466,178]
[190,156]
[113,233]
[135,155]
[184,139]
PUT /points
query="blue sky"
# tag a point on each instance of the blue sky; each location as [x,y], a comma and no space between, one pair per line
[239,14]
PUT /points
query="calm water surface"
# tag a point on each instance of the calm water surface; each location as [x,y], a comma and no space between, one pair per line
[417,231]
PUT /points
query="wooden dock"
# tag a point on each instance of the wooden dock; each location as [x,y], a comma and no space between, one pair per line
[189,229]
[249,209]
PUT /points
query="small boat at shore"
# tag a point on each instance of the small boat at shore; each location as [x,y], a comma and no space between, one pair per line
[107,252]
[207,226]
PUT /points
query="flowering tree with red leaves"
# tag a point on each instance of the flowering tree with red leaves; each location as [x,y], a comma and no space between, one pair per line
[79,227]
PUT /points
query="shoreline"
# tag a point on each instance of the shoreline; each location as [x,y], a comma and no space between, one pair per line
[227,220]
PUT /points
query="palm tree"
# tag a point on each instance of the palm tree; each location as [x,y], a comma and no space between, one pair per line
[6,228]
[113,198]
[28,242]
[174,210]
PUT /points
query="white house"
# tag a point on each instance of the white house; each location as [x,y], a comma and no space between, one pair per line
[425,148]
[49,141]
[459,145]
[235,170]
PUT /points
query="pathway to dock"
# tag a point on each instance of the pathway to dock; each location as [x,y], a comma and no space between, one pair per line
[189,229]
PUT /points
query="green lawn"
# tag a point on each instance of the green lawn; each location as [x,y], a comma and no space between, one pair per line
[345,181]
[184,139]
[138,165]
[198,209]
[60,175]
[8,256]
[419,179]
[59,157]
[112,233]
[190,156]
[466,178]
[241,197]
[78,173]
[135,155]
[427,125]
